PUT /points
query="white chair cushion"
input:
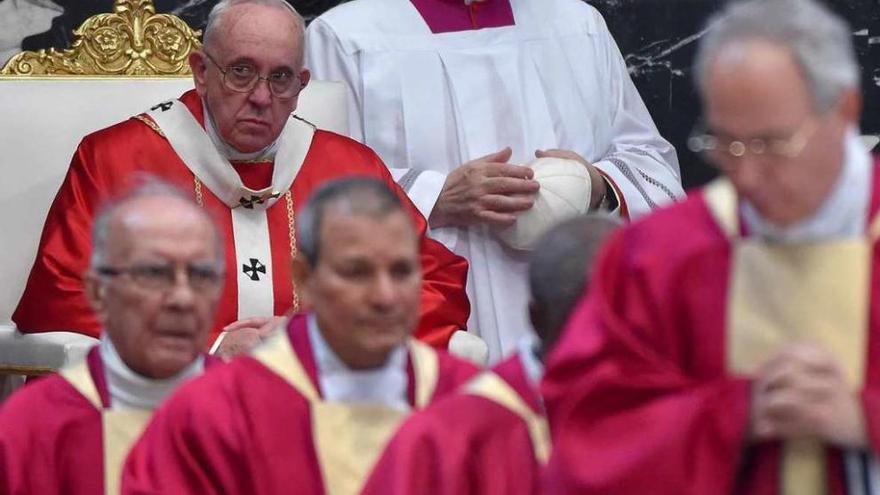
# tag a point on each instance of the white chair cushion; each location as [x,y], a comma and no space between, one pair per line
[40,352]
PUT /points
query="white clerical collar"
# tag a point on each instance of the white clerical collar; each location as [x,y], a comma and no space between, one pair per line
[266,154]
[385,385]
[527,348]
[844,213]
[130,390]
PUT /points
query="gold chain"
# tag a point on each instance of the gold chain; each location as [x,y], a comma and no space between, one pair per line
[291,226]
[199,199]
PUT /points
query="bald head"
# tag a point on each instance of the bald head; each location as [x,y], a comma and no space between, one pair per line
[228,12]
[560,271]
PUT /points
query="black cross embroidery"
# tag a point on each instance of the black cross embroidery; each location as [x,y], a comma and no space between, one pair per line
[252,269]
[164,106]
[256,200]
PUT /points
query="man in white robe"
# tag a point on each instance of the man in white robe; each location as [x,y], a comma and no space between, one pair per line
[455,96]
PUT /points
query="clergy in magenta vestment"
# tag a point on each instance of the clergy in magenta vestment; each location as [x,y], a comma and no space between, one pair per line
[291,417]
[649,391]
[254,201]
[488,438]
[434,84]
[69,433]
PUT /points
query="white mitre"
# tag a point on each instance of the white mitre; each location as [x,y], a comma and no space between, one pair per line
[565,193]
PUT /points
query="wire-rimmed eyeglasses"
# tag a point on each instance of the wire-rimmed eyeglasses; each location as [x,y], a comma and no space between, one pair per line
[243,78]
[703,141]
[163,276]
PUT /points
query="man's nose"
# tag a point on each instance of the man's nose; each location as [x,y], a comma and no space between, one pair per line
[261,95]
[384,290]
[746,172]
[181,293]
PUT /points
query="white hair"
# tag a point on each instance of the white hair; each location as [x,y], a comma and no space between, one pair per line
[819,42]
[215,18]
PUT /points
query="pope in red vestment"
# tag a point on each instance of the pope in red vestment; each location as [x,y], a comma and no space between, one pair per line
[250,426]
[107,161]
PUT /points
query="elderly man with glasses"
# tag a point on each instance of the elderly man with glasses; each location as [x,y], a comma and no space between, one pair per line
[235,145]
[155,278]
[731,343]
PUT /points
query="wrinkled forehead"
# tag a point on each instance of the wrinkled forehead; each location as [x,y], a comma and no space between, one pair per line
[346,231]
[160,228]
[263,35]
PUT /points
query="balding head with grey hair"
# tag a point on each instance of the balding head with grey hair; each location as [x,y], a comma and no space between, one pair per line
[218,13]
[819,41]
[361,196]
[147,187]
[560,270]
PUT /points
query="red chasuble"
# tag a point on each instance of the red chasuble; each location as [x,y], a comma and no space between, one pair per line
[639,393]
[244,428]
[465,444]
[51,436]
[105,164]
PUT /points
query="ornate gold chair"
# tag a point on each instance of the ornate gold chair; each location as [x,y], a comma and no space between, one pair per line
[119,65]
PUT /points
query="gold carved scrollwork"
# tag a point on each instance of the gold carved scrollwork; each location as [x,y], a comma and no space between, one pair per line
[133,41]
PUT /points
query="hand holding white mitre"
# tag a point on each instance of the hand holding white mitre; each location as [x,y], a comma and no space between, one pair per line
[243,335]
[802,392]
[485,190]
[598,186]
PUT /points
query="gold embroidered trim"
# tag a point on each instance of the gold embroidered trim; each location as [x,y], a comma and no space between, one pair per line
[291,229]
[198,186]
[152,125]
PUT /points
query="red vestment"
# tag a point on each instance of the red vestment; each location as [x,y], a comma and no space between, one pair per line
[105,164]
[245,429]
[51,439]
[464,444]
[639,396]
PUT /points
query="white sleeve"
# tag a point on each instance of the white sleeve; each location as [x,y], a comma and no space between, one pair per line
[642,166]
[329,60]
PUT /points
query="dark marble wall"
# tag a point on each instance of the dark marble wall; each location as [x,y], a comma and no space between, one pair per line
[657,38]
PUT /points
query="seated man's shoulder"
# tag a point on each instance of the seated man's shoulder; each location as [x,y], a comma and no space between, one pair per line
[328,143]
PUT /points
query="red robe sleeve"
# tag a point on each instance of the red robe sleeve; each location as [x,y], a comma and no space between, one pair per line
[625,415]
[54,298]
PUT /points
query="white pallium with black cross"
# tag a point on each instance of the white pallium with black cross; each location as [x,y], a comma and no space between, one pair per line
[250,230]
[250,225]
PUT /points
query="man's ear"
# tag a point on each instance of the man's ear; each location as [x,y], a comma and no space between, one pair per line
[304,77]
[850,106]
[199,66]
[302,274]
[96,292]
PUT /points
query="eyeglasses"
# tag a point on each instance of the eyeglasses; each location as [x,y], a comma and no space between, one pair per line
[716,147]
[243,78]
[163,277]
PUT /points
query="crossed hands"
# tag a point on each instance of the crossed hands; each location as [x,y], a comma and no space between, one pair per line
[802,392]
[489,190]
